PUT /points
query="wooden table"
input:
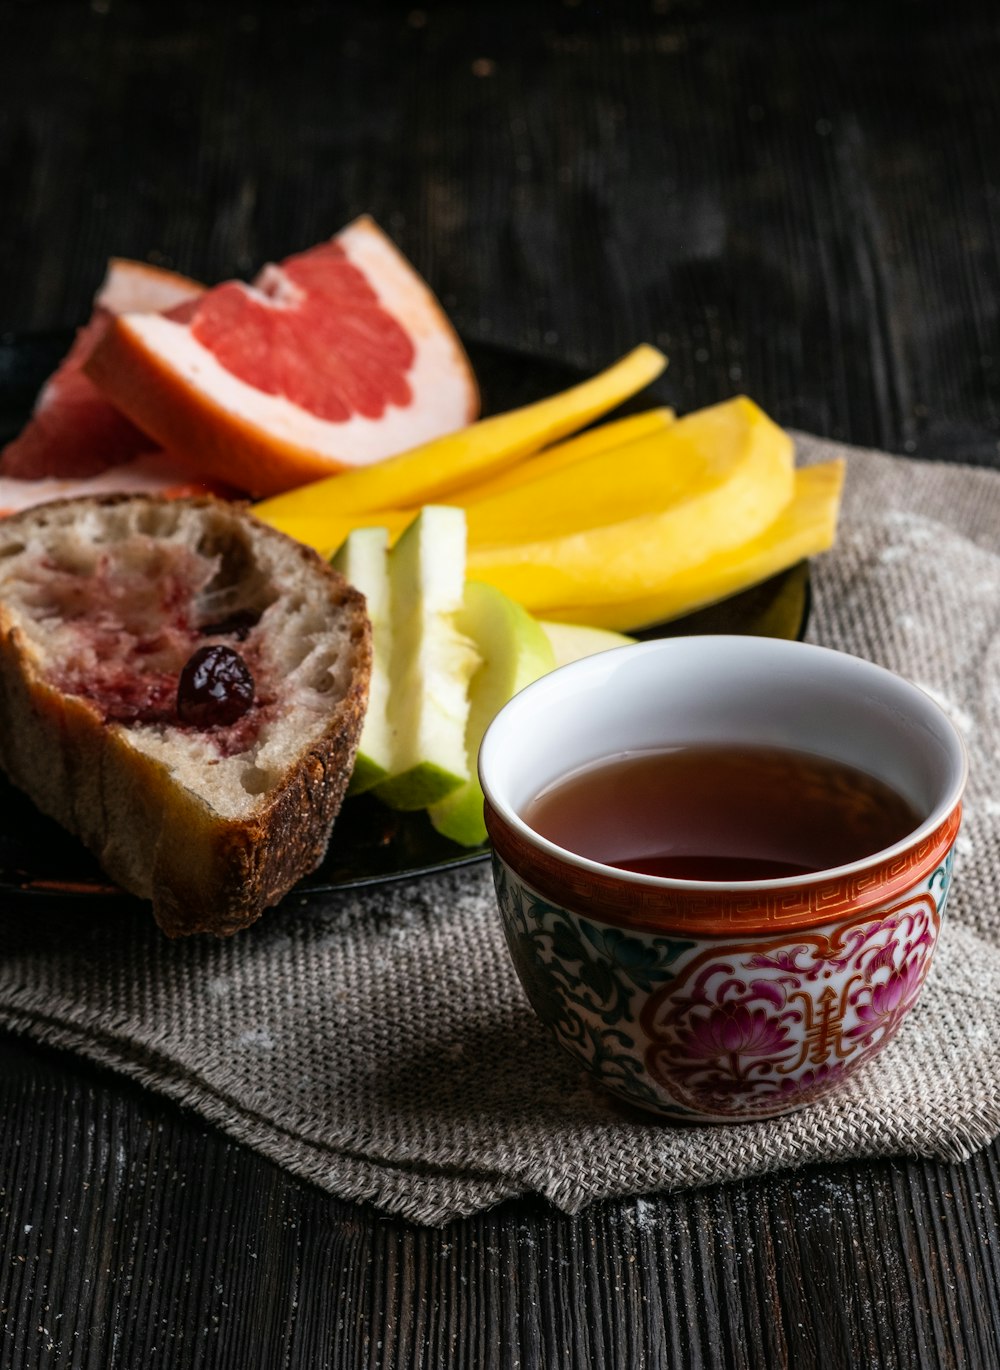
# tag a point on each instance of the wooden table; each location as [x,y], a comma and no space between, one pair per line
[802,202]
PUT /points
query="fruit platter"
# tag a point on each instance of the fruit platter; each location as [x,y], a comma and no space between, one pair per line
[501,514]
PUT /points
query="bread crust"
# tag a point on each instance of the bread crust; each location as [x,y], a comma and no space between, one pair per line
[203,870]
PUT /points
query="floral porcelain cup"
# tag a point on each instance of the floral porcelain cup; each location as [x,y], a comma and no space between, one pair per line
[705,1001]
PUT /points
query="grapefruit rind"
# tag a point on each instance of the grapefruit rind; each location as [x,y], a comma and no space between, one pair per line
[131,287]
[74,432]
[155,473]
[170,385]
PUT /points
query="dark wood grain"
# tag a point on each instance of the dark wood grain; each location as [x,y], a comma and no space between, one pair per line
[133,1234]
[799,201]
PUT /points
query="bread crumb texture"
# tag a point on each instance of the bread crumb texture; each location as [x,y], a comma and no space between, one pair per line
[110,598]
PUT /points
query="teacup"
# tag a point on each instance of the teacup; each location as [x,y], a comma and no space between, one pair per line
[715,1001]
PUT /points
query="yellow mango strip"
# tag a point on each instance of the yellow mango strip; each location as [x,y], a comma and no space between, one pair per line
[326,532]
[805,527]
[323,527]
[744,480]
[603,485]
[698,452]
[499,515]
[429,473]
[603,439]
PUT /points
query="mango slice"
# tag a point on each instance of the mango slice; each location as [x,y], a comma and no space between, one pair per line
[699,453]
[436,469]
[605,438]
[723,475]
[323,531]
[607,485]
[804,528]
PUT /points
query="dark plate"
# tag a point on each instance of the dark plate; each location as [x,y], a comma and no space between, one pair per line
[370,843]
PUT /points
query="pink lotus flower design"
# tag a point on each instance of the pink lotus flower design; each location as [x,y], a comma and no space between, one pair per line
[812,1079]
[890,995]
[733,1029]
[783,959]
[901,985]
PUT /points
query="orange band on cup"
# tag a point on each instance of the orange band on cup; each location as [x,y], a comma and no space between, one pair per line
[648,907]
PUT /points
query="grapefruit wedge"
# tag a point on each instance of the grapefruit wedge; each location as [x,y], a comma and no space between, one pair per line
[335,358]
[74,432]
[153,473]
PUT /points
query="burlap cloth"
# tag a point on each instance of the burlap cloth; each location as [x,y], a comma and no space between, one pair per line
[378,1044]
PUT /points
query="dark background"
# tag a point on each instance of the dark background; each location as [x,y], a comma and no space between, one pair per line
[800,201]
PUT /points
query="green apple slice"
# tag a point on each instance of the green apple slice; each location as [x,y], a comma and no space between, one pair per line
[363,560]
[431,662]
[572,641]
[514,651]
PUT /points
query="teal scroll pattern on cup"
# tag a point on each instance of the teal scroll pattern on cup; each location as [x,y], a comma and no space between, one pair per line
[582,977]
[940,882]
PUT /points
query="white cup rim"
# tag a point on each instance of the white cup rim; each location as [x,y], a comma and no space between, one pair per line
[567,680]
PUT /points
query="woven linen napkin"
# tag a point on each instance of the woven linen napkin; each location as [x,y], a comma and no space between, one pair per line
[378,1043]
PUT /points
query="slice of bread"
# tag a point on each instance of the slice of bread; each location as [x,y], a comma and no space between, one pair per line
[102,604]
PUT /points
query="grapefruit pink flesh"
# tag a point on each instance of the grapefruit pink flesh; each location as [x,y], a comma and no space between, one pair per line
[74,432]
[319,336]
[338,357]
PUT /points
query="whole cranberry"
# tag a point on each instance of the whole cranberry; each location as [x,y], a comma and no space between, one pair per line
[215,688]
